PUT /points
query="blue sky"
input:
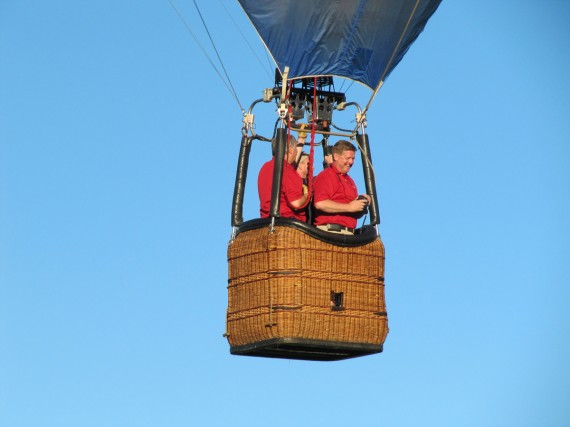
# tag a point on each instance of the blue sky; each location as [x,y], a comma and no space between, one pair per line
[118,148]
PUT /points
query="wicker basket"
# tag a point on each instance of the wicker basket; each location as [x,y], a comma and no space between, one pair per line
[294,296]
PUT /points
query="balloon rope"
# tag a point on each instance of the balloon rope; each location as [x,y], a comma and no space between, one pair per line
[217,54]
[392,57]
[312,143]
[263,66]
[312,149]
[227,82]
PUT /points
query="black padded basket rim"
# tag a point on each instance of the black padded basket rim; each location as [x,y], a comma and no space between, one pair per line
[363,236]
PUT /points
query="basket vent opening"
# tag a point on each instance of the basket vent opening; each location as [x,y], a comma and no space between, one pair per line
[337,299]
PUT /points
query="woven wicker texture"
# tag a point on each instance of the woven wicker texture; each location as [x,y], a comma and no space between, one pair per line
[287,284]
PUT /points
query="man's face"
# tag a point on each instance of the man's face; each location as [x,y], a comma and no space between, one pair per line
[303,168]
[343,162]
[291,154]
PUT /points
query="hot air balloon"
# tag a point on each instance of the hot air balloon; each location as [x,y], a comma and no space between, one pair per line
[295,291]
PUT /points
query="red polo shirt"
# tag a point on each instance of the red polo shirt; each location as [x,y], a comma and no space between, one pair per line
[333,185]
[291,190]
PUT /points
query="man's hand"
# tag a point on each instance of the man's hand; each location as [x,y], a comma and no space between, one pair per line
[358,205]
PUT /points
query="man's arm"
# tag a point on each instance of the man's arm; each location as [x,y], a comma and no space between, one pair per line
[299,203]
[329,206]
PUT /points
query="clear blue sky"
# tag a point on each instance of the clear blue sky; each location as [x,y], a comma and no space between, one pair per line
[118,148]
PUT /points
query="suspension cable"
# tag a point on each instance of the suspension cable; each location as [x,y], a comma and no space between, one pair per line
[227,83]
[246,41]
[218,55]
[413,12]
[349,85]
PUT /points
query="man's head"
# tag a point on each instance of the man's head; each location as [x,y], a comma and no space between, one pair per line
[343,155]
[291,154]
[303,165]
[292,144]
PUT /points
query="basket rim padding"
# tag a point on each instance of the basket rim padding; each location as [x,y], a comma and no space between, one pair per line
[364,235]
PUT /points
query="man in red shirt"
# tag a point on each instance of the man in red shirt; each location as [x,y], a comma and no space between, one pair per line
[292,199]
[336,200]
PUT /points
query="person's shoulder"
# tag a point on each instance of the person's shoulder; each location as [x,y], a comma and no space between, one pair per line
[268,164]
[291,173]
[324,173]
[289,167]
